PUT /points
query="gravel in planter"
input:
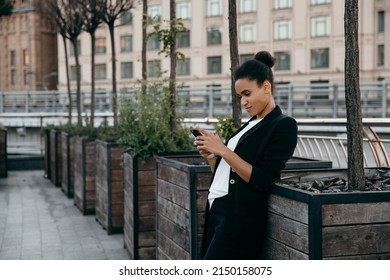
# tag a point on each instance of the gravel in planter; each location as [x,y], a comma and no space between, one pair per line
[378,181]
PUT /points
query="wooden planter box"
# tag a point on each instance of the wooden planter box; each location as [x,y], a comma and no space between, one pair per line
[139,230]
[47,158]
[3,153]
[109,187]
[182,189]
[55,157]
[344,225]
[84,175]
[67,181]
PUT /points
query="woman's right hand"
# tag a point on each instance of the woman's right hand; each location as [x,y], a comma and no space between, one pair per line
[205,154]
[210,157]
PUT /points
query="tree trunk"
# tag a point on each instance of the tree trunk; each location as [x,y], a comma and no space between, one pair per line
[172,76]
[144,44]
[352,97]
[113,63]
[67,80]
[78,76]
[93,43]
[234,61]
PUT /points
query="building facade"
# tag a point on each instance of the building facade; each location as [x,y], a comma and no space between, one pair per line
[305,36]
[28,44]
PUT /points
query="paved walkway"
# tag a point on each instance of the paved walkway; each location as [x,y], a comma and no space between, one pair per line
[38,222]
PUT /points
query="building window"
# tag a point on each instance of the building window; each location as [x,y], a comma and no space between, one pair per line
[246,57]
[214,36]
[26,78]
[127,70]
[214,8]
[71,48]
[214,65]
[319,89]
[283,61]
[154,68]
[73,72]
[153,42]
[320,26]
[247,6]
[154,14]
[183,10]
[381,21]
[100,71]
[100,46]
[126,42]
[381,55]
[319,2]
[320,58]
[282,4]
[214,88]
[247,33]
[183,39]
[282,29]
[13,77]
[26,58]
[184,91]
[13,58]
[184,67]
[127,18]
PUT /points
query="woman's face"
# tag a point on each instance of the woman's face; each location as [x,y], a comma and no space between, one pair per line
[257,101]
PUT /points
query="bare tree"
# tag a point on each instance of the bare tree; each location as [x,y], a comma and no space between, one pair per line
[56,12]
[6,7]
[94,12]
[113,10]
[352,96]
[75,18]
[168,37]
[172,74]
[234,61]
[144,44]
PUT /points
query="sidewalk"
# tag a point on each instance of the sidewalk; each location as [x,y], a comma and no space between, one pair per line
[38,222]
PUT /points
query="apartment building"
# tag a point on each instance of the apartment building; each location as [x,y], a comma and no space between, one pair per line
[305,36]
[28,50]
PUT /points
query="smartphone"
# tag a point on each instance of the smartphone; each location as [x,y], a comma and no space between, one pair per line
[196,133]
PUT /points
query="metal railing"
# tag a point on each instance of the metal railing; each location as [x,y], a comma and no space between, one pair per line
[334,149]
[299,101]
[327,148]
[314,141]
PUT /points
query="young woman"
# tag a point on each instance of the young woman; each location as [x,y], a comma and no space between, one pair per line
[245,168]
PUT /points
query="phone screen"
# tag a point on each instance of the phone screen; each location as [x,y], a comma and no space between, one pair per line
[196,133]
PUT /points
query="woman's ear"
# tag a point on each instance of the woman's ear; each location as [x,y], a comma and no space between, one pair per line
[267,86]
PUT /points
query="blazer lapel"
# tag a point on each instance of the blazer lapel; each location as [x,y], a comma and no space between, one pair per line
[269,118]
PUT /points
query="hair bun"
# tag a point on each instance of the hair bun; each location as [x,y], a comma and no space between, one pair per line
[266,58]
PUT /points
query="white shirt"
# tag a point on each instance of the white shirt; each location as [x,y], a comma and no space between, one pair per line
[220,185]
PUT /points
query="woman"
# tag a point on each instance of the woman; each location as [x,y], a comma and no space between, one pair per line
[246,167]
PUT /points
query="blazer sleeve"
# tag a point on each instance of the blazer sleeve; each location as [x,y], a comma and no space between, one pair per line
[280,147]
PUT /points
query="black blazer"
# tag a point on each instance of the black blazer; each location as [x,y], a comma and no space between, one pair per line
[267,146]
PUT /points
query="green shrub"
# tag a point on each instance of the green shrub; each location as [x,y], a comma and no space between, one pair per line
[87,132]
[48,127]
[144,124]
[225,127]
[107,133]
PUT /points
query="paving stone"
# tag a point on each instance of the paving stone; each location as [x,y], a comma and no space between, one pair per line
[38,222]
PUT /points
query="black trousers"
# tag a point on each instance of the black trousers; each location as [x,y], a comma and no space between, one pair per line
[221,243]
[216,239]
